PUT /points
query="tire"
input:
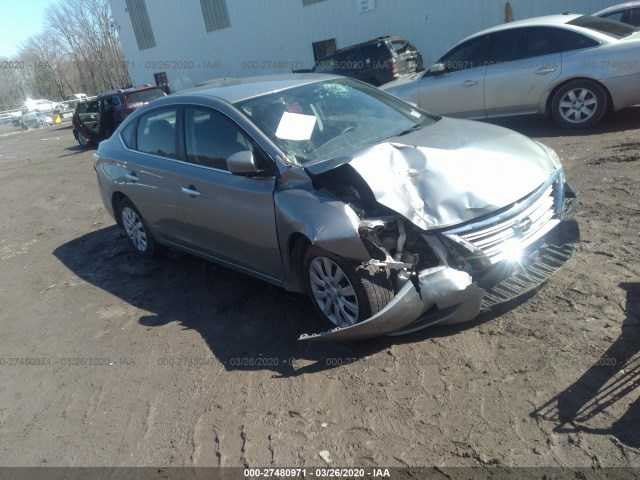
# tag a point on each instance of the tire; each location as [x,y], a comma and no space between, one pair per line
[342,294]
[82,140]
[137,230]
[579,104]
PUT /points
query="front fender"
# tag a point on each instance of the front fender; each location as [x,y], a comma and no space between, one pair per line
[325,221]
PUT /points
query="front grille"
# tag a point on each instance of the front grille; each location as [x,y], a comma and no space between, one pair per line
[528,276]
[497,240]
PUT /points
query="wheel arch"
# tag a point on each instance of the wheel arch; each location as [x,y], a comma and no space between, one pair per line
[116,199]
[297,246]
[320,219]
[554,90]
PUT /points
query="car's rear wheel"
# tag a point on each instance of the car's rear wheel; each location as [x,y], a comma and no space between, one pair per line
[579,104]
[82,140]
[341,293]
[137,230]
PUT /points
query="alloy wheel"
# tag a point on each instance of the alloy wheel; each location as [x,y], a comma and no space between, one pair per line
[333,292]
[578,105]
[135,229]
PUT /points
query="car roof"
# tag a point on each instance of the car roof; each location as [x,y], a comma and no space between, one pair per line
[384,38]
[614,8]
[236,89]
[531,22]
[128,90]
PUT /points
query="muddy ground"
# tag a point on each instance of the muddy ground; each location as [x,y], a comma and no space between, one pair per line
[109,359]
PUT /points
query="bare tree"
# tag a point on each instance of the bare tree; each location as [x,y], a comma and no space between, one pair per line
[85,29]
[46,65]
[78,51]
[11,87]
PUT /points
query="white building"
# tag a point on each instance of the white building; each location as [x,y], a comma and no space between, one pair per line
[197,40]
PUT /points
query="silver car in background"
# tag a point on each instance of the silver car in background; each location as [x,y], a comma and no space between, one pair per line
[625,12]
[573,68]
[390,218]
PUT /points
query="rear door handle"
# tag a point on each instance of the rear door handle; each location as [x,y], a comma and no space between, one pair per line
[545,70]
[132,176]
[469,83]
[191,190]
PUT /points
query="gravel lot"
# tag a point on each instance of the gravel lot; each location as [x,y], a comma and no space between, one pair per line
[108,359]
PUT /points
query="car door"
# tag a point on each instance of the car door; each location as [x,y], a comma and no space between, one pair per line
[459,90]
[87,115]
[149,175]
[232,217]
[523,63]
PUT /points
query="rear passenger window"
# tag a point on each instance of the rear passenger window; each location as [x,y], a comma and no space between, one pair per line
[156,133]
[569,40]
[521,43]
[127,134]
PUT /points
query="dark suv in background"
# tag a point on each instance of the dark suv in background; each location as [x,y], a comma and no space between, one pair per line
[376,61]
[97,119]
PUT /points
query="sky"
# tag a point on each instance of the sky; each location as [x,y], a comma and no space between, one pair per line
[19,19]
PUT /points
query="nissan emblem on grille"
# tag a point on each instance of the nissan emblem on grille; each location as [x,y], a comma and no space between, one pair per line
[522,226]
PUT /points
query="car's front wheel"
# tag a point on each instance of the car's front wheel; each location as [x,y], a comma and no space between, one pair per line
[137,230]
[341,293]
[579,104]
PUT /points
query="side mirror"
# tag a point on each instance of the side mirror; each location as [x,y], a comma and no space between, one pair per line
[437,69]
[242,163]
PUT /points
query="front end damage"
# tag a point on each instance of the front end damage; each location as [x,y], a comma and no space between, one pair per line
[451,274]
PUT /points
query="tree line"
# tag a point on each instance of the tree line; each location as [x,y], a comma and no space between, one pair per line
[78,51]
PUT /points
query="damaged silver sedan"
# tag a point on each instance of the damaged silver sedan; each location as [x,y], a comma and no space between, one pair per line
[390,218]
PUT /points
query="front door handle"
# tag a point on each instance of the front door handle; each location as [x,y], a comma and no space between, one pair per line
[545,70]
[469,83]
[191,190]
[132,176]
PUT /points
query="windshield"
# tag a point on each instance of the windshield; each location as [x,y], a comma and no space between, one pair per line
[326,119]
[602,25]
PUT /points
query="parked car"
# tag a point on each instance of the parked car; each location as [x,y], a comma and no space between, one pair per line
[97,119]
[35,119]
[571,67]
[7,119]
[77,96]
[376,61]
[39,105]
[73,100]
[390,218]
[625,12]
[44,119]
[85,119]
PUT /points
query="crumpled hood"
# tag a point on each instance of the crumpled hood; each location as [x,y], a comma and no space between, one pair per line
[451,172]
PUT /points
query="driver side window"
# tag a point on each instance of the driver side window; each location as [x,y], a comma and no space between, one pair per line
[212,138]
[470,54]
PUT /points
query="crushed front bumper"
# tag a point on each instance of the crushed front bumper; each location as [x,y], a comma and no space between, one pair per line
[444,295]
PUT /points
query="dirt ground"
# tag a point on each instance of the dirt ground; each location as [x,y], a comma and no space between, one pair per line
[108,359]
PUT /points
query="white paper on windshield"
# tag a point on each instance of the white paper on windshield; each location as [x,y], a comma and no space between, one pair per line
[294,126]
